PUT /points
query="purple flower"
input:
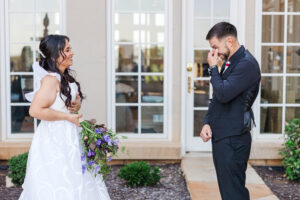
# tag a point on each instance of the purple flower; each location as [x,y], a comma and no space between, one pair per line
[116,142]
[90,153]
[110,142]
[106,138]
[97,168]
[82,157]
[98,131]
[109,159]
[99,142]
[83,168]
[91,162]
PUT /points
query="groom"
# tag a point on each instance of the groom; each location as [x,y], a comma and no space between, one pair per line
[229,117]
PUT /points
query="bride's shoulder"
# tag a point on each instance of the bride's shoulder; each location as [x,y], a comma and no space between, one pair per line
[50,81]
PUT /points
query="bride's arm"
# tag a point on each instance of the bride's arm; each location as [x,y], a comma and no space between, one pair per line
[44,98]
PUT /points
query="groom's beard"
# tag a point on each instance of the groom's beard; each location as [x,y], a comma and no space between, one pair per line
[225,56]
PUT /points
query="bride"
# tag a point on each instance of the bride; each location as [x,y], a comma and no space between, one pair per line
[54,167]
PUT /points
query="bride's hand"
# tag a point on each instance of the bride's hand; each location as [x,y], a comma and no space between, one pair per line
[74,118]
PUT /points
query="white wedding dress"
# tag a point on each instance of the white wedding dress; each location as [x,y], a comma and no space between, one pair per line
[54,166]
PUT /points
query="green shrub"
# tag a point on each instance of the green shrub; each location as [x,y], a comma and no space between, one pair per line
[291,151]
[140,174]
[17,168]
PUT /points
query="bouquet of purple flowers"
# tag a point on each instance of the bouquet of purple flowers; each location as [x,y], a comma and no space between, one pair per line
[100,145]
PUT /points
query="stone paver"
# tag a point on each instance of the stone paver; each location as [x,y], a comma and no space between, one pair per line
[202,183]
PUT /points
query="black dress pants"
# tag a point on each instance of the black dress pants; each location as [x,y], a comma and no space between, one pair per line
[230,157]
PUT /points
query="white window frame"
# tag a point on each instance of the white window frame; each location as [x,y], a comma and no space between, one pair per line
[258,44]
[167,104]
[5,70]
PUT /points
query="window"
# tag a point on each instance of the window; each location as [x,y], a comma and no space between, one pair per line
[280,64]
[139,66]
[27,21]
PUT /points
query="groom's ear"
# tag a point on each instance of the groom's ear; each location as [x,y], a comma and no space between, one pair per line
[230,40]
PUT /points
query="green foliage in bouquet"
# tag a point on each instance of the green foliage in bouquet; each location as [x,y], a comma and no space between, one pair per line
[17,168]
[100,145]
[140,174]
[291,151]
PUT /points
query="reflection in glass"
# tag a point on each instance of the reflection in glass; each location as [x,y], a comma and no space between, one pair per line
[273,5]
[293,59]
[201,28]
[271,90]
[126,58]
[293,90]
[202,8]
[222,8]
[20,85]
[293,28]
[199,116]
[152,27]
[127,27]
[272,59]
[52,5]
[152,5]
[21,27]
[152,58]
[292,113]
[21,122]
[152,89]
[21,58]
[152,119]
[24,5]
[200,63]
[271,120]
[126,119]
[293,5]
[126,89]
[201,93]
[272,28]
[47,24]
[128,5]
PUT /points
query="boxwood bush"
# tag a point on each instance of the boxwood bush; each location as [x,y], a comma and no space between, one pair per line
[291,151]
[140,174]
[17,168]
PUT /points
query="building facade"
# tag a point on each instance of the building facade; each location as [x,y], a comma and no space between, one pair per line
[142,66]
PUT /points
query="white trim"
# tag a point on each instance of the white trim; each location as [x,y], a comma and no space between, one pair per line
[167,74]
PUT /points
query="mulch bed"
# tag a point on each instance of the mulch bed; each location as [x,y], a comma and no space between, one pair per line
[172,186]
[281,187]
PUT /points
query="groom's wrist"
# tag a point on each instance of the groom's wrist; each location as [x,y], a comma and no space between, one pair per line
[211,68]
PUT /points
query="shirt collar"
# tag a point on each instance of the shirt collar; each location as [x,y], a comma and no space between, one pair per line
[236,56]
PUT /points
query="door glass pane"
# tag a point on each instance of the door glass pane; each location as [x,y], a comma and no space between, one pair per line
[127,27]
[271,120]
[201,93]
[52,5]
[20,85]
[272,59]
[200,63]
[152,5]
[199,116]
[222,8]
[47,24]
[271,90]
[128,5]
[292,113]
[273,5]
[21,27]
[152,27]
[293,28]
[126,119]
[152,58]
[201,28]
[24,5]
[294,5]
[152,119]
[202,8]
[152,89]
[126,89]
[293,59]
[272,28]
[21,122]
[293,90]
[126,58]
[21,58]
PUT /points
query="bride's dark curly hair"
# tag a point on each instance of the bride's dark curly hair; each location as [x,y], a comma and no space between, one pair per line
[51,47]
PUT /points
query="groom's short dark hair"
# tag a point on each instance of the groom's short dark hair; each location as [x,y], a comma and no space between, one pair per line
[221,30]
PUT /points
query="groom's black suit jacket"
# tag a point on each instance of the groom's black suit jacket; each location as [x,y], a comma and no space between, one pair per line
[234,92]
